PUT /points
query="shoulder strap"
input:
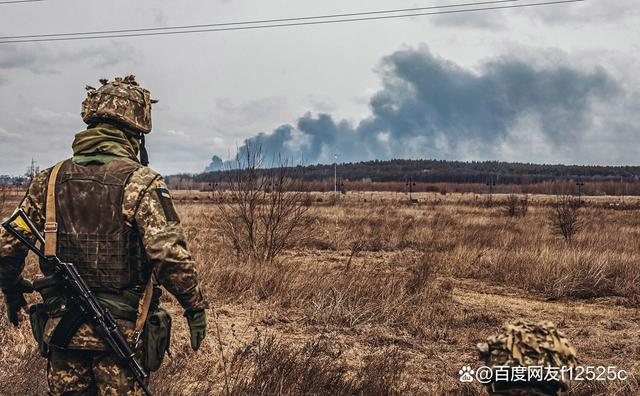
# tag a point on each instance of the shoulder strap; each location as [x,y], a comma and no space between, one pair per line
[143,311]
[51,224]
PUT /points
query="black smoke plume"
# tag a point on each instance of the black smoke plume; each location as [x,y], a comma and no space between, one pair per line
[430,107]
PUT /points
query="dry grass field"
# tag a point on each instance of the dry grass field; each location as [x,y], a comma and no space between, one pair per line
[384,297]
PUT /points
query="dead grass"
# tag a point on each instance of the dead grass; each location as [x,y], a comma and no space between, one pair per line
[410,299]
[390,298]
[269,367]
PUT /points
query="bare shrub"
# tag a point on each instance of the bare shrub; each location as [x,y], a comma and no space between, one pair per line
[515,206]
[524,205]
[511,206]
[565,217]
[262,211]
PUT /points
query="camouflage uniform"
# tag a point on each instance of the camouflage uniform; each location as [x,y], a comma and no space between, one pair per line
[522,344]
[85,366]
[86,372]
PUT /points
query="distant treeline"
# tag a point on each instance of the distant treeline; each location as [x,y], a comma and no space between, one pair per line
[451,176]
[6,180]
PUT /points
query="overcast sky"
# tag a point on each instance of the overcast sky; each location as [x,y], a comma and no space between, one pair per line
[556,84]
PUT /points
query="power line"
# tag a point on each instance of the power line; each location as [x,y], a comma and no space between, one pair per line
[208,25]
[323,22]
[19,1]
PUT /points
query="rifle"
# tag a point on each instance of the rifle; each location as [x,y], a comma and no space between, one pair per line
[67,277]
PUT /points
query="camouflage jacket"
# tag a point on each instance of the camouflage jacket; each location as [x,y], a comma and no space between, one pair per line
[162,235]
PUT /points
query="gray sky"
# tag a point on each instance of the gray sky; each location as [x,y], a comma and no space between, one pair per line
[544,84]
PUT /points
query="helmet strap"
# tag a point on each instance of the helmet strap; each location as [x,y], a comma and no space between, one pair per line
[144,156]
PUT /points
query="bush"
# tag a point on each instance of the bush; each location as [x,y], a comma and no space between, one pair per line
[262,212]
[565,217]
[515,206]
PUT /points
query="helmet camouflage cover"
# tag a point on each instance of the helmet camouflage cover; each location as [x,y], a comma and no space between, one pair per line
[122,101]
[525,344]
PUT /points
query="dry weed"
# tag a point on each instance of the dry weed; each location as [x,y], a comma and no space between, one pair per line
[565,217]
[269,367]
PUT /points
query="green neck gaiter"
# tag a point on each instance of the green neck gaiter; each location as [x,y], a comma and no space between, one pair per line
[102,142]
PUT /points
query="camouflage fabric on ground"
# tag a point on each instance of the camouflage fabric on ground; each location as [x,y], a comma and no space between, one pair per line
[522,344]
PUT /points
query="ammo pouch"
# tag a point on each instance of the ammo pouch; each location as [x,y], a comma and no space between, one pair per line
[38,318]
[156,338]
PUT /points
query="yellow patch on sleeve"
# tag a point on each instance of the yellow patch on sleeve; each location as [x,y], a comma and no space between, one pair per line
[167,204]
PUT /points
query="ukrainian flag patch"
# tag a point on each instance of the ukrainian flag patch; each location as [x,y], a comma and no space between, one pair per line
[167,204]
[164,193]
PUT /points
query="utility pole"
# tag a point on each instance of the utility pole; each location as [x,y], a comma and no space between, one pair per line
[32,170]
[335,176]
[491,183]
[410,184]
[579,183]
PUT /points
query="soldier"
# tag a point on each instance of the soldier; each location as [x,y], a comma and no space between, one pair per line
[113,217]
[532,357]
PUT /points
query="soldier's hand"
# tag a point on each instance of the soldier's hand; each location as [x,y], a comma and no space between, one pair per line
[15,301]
[197,327]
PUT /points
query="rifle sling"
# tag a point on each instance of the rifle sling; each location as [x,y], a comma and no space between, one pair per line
[67,327]
[51,224]
[74,318]
[143,309]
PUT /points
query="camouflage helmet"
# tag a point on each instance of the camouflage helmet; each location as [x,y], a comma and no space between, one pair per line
[522,344]
[122,101]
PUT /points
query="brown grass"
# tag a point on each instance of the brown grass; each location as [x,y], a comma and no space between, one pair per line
[390,298]
[269,367]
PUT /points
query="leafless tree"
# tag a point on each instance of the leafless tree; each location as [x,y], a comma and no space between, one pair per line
[262,212]
[566,217]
